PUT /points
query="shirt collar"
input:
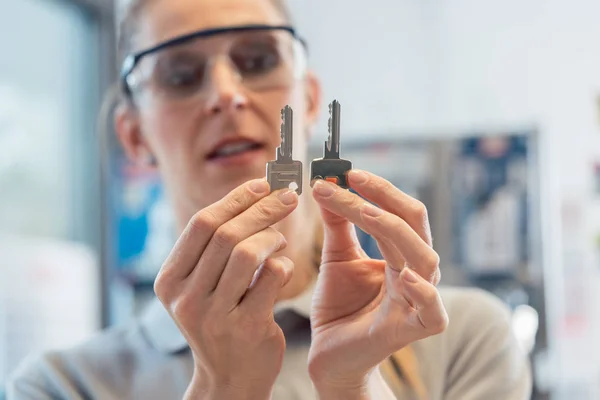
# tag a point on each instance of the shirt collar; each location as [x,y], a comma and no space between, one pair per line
[162,332]
[301,304]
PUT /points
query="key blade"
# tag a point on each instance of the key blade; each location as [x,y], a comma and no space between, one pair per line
[284,172]
[287,134]
[331,167]
[332,146]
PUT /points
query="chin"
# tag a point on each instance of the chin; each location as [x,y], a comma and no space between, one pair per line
[242,177]
[213,182]
[219,189]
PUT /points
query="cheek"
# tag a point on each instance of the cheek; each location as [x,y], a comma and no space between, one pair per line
[167,131]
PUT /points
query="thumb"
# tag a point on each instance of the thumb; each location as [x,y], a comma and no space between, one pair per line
[340,241]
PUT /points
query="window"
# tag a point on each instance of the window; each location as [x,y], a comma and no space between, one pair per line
[51,78]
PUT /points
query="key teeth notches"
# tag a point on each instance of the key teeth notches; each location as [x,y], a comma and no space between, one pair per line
[331,146]
[332,106]
[285,111]
[284,172]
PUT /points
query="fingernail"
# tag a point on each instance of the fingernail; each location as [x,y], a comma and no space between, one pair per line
[371,211]
[324,189]
[358,176]
[259,186]
[288,197]
[409,276]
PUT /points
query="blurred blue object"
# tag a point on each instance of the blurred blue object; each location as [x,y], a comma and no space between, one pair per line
[369,244]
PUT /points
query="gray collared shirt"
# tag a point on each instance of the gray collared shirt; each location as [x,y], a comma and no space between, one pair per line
[476,358]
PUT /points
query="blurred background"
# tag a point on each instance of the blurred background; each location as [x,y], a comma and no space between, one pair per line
[487,111]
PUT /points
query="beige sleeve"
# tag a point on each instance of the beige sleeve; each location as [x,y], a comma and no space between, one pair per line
[486,362]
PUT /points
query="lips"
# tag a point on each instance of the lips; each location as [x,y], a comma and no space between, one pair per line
[232,148]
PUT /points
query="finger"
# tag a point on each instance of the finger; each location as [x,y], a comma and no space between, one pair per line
[426,300]
[259,216]
[396,261]
[392,199]
[391,255]
[382,225]
[417,254]
[340,239]
[273,275]
[243,263]
[187,250]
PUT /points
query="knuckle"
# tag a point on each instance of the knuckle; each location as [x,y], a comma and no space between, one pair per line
[440,324]
[437,277]
[433,259]
[430,298]
[204,220]
[181,308]
[165,284]
[162,288]
[419,209]
[186,309]
[276,235]
[244,254]
[382,185]
[265,211]
[273,232]
[349,200]
[226,236]
[273,271]
[432,263]
[234,204]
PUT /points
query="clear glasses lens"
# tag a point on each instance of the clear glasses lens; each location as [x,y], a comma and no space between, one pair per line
[259,60]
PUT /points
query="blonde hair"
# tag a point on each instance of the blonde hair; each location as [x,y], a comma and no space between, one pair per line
[128,18]
[401,368]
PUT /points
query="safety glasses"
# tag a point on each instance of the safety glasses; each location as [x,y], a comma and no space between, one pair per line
[259,57]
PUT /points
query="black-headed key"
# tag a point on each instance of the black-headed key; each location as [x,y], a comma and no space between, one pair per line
[284,172]
[331,167]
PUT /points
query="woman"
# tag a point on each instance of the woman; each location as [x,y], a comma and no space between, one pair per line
[203,85]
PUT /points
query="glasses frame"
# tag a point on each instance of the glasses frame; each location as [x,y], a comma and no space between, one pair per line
[132,60]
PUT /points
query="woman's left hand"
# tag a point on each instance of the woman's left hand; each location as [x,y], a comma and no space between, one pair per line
[365,309]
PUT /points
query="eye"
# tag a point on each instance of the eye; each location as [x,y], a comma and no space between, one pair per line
[255,58]
[180,75]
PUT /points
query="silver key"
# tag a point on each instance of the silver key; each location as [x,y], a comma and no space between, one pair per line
[331,167]
[283,172]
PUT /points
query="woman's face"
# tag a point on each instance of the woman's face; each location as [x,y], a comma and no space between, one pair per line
[195,143]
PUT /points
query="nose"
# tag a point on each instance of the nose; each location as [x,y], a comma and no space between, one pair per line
[225,92]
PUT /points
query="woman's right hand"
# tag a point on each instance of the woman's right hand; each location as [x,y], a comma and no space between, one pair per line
[207,286]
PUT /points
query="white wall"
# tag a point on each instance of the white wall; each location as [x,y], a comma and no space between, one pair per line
[441,67]
[378,71]
[48,284]
[47,111]
[536,62]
